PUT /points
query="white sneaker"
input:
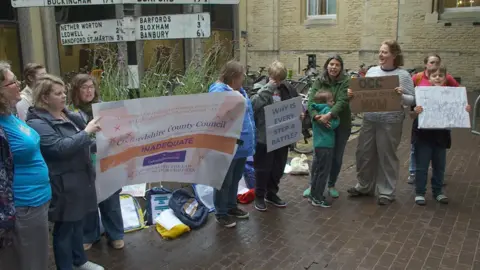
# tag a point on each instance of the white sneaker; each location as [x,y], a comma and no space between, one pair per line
[89,266]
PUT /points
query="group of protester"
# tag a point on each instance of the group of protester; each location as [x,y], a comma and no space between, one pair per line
[48,151]
[329,99]
[47,173]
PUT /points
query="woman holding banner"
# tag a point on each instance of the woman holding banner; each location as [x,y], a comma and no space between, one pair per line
[65,144]
[225,199]
[83,95]
[376,156]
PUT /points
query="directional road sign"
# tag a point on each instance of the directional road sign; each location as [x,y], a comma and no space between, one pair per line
[105,31]
[196,25]
[54,3]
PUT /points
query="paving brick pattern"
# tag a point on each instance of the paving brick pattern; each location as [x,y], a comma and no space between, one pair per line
[353,234]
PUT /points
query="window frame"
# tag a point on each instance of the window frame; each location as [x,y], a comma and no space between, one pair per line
[324,16]
[457,13]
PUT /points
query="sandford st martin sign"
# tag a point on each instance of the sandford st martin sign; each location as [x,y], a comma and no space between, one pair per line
[54,3]
[141,28]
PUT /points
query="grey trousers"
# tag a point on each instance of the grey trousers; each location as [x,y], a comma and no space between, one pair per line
[30,248]
[321,171]
[377,160]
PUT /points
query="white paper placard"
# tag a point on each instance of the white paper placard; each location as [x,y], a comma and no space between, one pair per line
[283,124]
[443,107]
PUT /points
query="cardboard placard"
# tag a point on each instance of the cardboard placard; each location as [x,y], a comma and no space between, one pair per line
[375,94]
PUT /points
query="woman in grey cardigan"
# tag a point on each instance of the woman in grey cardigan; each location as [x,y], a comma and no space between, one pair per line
[376,156]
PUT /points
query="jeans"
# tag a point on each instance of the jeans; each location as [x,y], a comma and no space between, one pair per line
[424,153]
[226,198]
[112,221]
[68,245]
[411,167]
[30,243]
[341,140]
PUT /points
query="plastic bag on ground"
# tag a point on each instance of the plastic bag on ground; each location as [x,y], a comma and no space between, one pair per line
[169,226]
[299,165]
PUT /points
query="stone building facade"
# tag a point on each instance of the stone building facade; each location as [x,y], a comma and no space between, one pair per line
[289,30]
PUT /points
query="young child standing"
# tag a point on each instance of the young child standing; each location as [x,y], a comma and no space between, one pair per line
[269,166]
[430,145]
[323,142]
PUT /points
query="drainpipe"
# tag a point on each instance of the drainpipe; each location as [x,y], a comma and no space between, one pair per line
[398,19]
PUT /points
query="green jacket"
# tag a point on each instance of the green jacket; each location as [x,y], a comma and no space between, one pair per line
[341,109]
[323,136]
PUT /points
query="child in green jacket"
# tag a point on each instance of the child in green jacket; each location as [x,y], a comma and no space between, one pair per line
[324,143]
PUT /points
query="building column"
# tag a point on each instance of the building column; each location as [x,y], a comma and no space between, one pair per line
[31,36]
[50,40]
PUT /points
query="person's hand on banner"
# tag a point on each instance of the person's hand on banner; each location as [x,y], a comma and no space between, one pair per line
[399,90]
[93,126]
[418,109]
[468,108]
[350,93]
[302,116]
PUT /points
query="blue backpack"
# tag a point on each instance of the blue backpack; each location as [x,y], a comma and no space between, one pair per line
[188,209]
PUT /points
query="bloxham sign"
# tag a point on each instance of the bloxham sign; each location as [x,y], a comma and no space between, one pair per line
[375,94]
[173,26]
[55,3]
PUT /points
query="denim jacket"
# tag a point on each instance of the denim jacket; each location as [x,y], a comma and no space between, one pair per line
[247,136]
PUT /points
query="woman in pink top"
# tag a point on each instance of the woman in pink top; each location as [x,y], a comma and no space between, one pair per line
[431,61]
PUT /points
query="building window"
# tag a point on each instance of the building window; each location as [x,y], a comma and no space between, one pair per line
[461,5]
[322,9]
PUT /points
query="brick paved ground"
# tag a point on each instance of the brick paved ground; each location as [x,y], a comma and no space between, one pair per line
[353,234]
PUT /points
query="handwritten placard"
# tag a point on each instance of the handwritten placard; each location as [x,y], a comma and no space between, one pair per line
[283,124]
[375,94]
[443,107]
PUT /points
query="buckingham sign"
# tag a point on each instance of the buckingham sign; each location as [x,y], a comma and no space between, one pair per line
[141,28]
[56,3]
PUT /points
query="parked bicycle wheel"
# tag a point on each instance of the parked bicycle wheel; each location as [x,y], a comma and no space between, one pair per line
[304,145]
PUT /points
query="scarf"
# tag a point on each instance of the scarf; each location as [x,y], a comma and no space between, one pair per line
[7,207]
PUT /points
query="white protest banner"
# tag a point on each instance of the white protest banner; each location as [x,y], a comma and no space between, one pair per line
[186,139]
[443,107]
[283,124]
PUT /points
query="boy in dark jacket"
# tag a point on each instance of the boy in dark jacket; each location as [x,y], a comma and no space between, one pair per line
[269,166]
[324,143]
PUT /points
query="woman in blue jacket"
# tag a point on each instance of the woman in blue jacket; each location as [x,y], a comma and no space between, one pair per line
[225,199]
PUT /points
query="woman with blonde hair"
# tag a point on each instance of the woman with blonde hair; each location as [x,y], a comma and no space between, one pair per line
[83,95]
[377,161]
[24,186]
[65,144]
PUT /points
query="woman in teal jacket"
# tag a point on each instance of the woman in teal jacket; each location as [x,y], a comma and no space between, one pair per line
[225,199]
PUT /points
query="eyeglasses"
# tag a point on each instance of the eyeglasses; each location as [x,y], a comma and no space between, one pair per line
[15,81]
[89,87]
